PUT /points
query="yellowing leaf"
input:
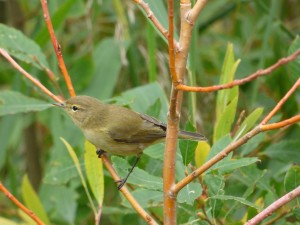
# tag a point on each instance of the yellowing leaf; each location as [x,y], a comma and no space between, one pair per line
[201,153]
[32,200]
[94,171]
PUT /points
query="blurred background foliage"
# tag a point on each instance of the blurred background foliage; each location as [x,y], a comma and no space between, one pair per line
[113,53]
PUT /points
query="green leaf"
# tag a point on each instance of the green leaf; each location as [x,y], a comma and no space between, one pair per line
[14,102]
[154,109]
[284,151]
[188,147]
[94,171]
[226,99]
[218,147]
[155,151]
[249,122]
[238,199]
[32,200]
[189,193]
[228,166]
[146,198]
[21,47]
[223,125]
[292,178]
[108,64]
[138,177]
[142,97]
[77,165]
[294,66]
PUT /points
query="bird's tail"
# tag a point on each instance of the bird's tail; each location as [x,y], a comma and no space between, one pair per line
[191,136]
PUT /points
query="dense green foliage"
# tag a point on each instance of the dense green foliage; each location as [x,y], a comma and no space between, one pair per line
[113,53]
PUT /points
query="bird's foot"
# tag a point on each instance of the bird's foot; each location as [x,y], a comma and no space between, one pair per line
[121,183]
[100,152]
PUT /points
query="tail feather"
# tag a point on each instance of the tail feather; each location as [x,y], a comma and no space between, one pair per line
[191,136]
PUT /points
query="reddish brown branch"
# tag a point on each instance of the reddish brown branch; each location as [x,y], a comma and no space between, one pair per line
[29,76]
[126,193]
[57,49]
[247,79]
[281,124]
[20,205]
[274,206]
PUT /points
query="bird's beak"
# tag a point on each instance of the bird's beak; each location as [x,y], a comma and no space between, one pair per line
[59,104]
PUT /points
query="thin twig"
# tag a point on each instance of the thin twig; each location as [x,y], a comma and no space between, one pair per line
[247,79]
[20,205]
[274,206]
[126,192]
[57,49]
[29,76]
[195,11]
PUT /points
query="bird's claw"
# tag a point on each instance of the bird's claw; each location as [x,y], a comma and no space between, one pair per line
[100,152]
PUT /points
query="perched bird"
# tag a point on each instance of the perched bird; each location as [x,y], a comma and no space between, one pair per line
[116,129]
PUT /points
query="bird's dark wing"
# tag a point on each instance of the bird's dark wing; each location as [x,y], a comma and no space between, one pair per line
[147,130]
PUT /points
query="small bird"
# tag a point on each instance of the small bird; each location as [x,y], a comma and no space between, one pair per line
[116,129]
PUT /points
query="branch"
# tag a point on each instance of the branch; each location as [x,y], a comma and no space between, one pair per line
[126,193]
[20,205]
[194,13]
[249,78]
[29,76]
[154,20]
[274,206]
[57,49]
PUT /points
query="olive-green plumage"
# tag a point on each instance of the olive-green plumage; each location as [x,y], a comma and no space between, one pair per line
[115,129]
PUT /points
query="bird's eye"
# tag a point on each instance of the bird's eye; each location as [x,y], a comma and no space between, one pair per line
[74,108]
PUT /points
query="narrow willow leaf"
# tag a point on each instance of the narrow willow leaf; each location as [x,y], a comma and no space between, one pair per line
[249,122]
[201,153]
[5,221]
[239,199]
[77,165]
[292,178]
[21,47]
[94,171]
[12,102]
[189,193]
[294,66]
[32,200]
[146,198]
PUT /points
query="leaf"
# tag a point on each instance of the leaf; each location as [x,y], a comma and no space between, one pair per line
[228,166]
[138,177]
[189,193]
[146,198]
[226,99]
[5,221]
[142,97]
[21,47]
[12,102]
[154,109]
[108,64]
[155,151]
[238,199]
[94,171]
[223,125]
[201,153]
[294,66]
[32,200]
[284,151]
[77,165]
[292,178]
[249,122]
[218,147]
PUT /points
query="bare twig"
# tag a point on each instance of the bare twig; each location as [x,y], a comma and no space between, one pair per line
[274,206]
[20,205]
[57,49]
[126,193]
[29,76]
[194,13]
[247,79]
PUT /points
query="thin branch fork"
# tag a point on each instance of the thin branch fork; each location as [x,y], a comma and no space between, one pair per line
[20,205]
[57,49]
[247,79]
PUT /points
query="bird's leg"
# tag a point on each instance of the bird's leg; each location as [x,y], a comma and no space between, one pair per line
[99,152]
[123,181]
